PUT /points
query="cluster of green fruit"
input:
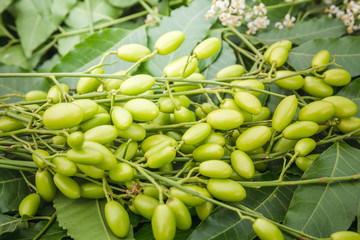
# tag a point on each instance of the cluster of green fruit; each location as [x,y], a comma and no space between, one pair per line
[112,142]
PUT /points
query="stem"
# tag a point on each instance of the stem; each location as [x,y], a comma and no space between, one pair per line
[105,189]
[287,166]
[27,181]
[239,49]
[247,42]
[143,3]
[63,92]
[152,180]
[89,13]
[141,60]
[188,176]
[51,220]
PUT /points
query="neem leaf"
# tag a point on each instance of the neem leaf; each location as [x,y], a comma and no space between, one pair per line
[8,224]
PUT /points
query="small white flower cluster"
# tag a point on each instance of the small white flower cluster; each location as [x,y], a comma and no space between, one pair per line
[287,22]
[150,17]
[350,16]
[235,13]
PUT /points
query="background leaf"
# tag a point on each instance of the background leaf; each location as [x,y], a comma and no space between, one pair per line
[4,4]
[191,21]
[346,49]
[90,51]
[14,55]
[83,218]
[321,209]
[352,91]
[8,224]
[12,190]
[303,31]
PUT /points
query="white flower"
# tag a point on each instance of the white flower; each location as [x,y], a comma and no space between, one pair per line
[259,10]
[289,20]
[262,22]
[279,25]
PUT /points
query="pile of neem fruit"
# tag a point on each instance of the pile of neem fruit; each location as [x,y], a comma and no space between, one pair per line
[147,147]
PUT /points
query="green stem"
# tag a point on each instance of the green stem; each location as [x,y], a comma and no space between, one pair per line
[141,60]
[63,92]
[51,220]
[287,166]
[27,181]
[155,15]
[90,18]
[247,42]
[239,49]
[152,180]
[188,176]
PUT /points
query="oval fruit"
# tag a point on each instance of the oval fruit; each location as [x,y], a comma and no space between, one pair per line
[137,84]
[321,58]
[189,199]
[117,218]
[29,205]
[145,205]
[207,48]
[181,213]
[300,129]
[132,52]
[135,132]
[317,111]
[62,115]
[45,185]
[292,82]
[163,223]
[169,42]
[89,107]
[103,134]
[284,113]
[92,191]
[215,169]
[8,124]
[231,71]
[304,146]
[248,102]
[242,164]
[253,138]
[121,172]
[181,67]
[337,77]
[316,87]
[67,186]
[197,133]
[344,107]
[208,151]
[226,190]
[225,119]
[267,230]
[142,109]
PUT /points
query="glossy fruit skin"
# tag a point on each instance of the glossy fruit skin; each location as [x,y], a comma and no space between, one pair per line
[226,190]
[117,218]
[284,43]
[344,107]
[176,67]
[215,169]
[135,132]
[163,156]
[284,144]
[157,148]
[54,94]
[248,102]
[97,120]
[126,150]
[58,140]
[45,185]
[214,137]
[248,83]
[188,199]
[166,105]
[350,124]
[278,56]
[102,134]
[266,230]
[109,160]
[208,151]
[253,138]
[345,235]
[85,156]
[231,71]
[169,42]
[89,84]
[64,166]
[132,52]
[304,162]
[337,77]
[67,186]
[8,124]
[40,163]
[153,140]
[89,107]
[163,223]
[316,87]
[317,111]
[284,113]
[121,117]
[225,119]
[112,84]
[242,164]
[137,84]
[181,213]
[304,146]
[29,205]
[197,133]
[183,114]
[142,109]
[207,48]
[62,115]
[121,172]
[300,129]
[161,119]
[91,171]
[204,210]
[75,140]
[34,95]
[263,115]
[291,83]
[229,103]
[92,191]
[321,58]
[145,205]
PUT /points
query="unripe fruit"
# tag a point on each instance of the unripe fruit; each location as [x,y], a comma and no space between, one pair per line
[248,83]
[34,95]
[231,71]
[345,235]
[189,199]
[291,83]
[163,223]
[350,124]
[248,102]
[62,115]
[204,210]
[64,166]
[304,146]
[196,133]
[225,119]
[45,185]
[89,84]
[207,48]
[300,129]
[117,218]
[317,111]
[183,114]
[177,67]
[215,169]
[38,161]
[55,95]
[75,140]
[162,157]
[242,164]
[97,120]
[137,84]
[321,58]
[226,190]
[181,213]
[8,124]
[121,117]
[145,205]
[278,56]
[267,230]
[121,172]
[92,191]
[284,113]
[317,87]
[29,205]
[132,52]
[337,77]
[126,150]
[67,186]
[103,134]
[283,43]
[253,138]
[344,107]
[91,171]
[208,151]
[89,107]
[142,109]
[169,42]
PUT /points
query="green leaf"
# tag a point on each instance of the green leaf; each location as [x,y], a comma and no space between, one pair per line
[3,30]
[272,202]
[303,31]
[4,4]
[12,190]
[346,49]
[8,224]
[49,64]
[83,218]
[272,101]
[101,11]
[322,209]
[66,44]
[90,51]
[122,4]
[191,21]
[352,91]
[358,218]
[15,55]
[145,233]
[20,85]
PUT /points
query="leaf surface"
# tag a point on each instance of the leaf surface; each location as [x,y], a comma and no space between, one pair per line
[8,224]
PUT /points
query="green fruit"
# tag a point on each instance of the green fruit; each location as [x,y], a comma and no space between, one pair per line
[67,186]
[89,107]
[197,133]
[45,185]
[103,134]
[248,102]
[135,132]
[169,42]
[284,144]
[263,115]
[181,213]
[189,86]
[163,156]
[189,199]
[62,115]
[215,169]
[267,230]
[58,140]
[117,218]
[153,140]
[34,95]
[226,190]
[304,146]
[38,161]
[225,119]
[317,111]
[248,84]
[97,120]
[231,71]
[157,148]
[163,223]
[284,113]
[87,156]
[121,172]
[75,140]
[292,82]
[121,117]
[207,48]
[345,235]
[204,210]
[142,109]
[242,164]
[167,105]
[321,58]
[8,124]
[109,160]
[64,166]
[337,77]
[278,56]
[181,67]
[55,95]
[29,205]
[304,162]
[183,114]
[317,87]
[145,205]
[132,52]
[92,191]
[126,150]
[344,107]
[137,84]
[253,138]
[283,43]
[89,84]
[350,124]
[208,151]
[300,129]
[214,137]
[91,171]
